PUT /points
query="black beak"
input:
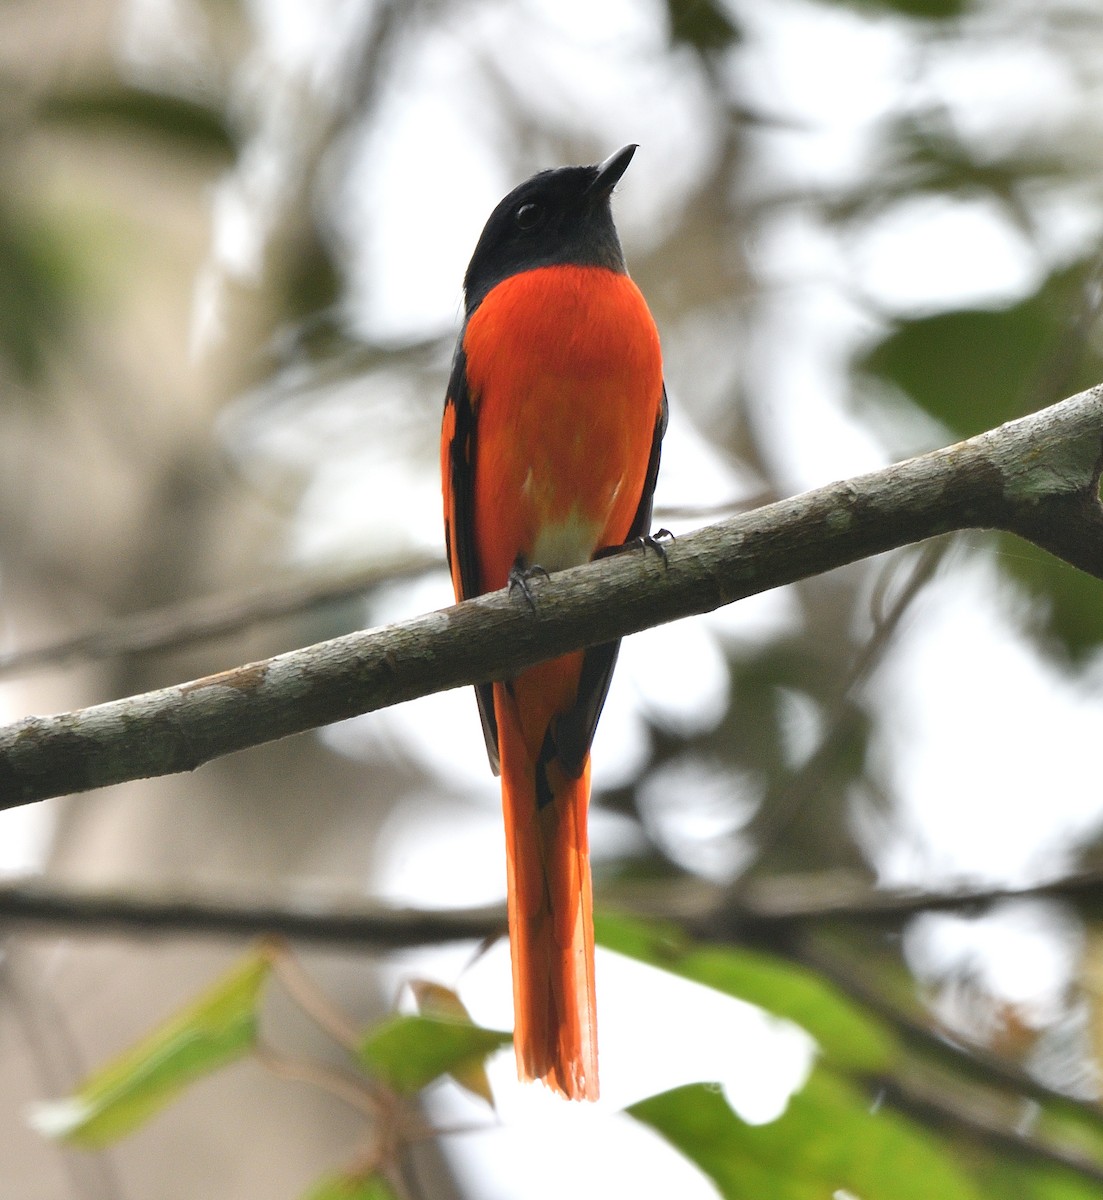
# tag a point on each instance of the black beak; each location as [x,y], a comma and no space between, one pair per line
[610,171]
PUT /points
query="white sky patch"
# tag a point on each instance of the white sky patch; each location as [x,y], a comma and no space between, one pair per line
[695,810]
[802,725]
[612,27]
[26,832]
[656,1032]
[363,452]
[25,837]
[622,744]
[1069,221]
[832,71]
[909,259]
[1004,95]
[310,41]
[442,852]
[694,472]
[756,620]
[999,778]
[447,849]
[439,733]
[350,507]
[419,188]
[809,427]
[679,675]
[286,84]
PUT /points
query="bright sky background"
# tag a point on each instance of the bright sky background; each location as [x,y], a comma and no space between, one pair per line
[979,800]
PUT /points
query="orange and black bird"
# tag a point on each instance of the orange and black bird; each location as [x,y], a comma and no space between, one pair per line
[550,447]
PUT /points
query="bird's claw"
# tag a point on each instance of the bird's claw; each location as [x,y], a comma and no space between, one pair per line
[519,580]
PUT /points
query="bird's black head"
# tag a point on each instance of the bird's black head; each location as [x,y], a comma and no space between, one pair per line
[556,217]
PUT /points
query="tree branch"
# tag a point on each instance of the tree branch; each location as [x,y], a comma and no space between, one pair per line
[776,902]
[1037,476]
[205,618]
[346,921]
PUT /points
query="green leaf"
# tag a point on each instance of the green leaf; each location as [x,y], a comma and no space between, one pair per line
[965,368]
[974,369]
[1071,601]
[827,1141]
[1016,1178]
[435,1000]
[181,123]
[352,1187]
[408,1052]
[217,1028]
[933,10]
[847,1035]
[37,278]
[706,25]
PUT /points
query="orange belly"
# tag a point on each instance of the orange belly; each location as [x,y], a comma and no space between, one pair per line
[566,376]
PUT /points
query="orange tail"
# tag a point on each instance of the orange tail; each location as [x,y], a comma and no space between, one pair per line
[551,931]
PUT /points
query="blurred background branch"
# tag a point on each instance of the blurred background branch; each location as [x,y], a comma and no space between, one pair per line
[232,239]
[780,902]
[177,625]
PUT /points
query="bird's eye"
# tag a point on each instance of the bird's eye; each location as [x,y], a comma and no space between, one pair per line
[528,216]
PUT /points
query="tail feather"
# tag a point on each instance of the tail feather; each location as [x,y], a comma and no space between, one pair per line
[550,914]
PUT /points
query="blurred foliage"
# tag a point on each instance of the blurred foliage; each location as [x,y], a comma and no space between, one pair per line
[884,1113]
[370,1186]
[130,414]
[1041,1183]
[180,124]
[216,1028]
[38,276]
[975,369]
[925,156]
[856,1124]
[847,1037]
[706,25]
[408,1052]
[1067,607]
[934,10]
[403,1054]
[827,1141]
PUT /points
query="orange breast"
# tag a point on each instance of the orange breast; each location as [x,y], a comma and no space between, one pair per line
[564,368]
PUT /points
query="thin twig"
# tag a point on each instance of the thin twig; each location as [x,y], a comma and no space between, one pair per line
[784,803]
[365,925]
[352,1091]
[988,1069]
[206,618]
[209,617]
[938,1108]
[779,900]
[47,1038]
[312,1000]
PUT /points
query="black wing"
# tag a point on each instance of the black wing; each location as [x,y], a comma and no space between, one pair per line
[458,468]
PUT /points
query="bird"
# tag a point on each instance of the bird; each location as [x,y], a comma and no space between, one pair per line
[553,424]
